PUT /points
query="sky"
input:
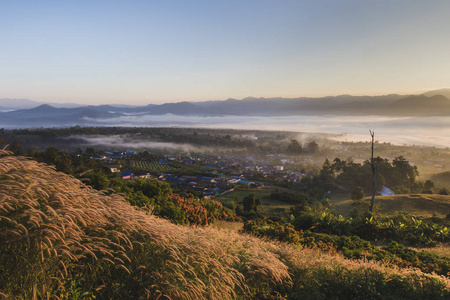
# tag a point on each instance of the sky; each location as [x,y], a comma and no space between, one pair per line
[141,52]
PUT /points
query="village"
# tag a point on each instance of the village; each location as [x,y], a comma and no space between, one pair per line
[216,174]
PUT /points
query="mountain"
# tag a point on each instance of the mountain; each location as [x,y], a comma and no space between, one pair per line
[344,105]
[12,104]
[7,104]
[444,92]
[421,105]
[48,116]
[180,108]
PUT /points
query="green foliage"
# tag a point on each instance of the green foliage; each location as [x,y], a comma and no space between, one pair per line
[404,173]
[231,204]
[425,261]
[294,147]
[98,180]
[399,174]
[443,191]
[351,246]
[312,147]
[284,232]
[428,185]
[415,231]
[16,148]
[358,194]
[288,197]
[251,203]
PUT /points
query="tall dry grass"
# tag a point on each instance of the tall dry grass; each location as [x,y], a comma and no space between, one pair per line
[62,239]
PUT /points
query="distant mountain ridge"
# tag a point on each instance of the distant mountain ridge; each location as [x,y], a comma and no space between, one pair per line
[428,104]
[14,104]
[422,105]
[443,92]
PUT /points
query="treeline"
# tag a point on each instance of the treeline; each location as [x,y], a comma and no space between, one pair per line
[297,148]
[340,175]
[41,138]
[256,142]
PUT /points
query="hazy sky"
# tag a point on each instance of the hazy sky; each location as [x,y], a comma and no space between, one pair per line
[141,52]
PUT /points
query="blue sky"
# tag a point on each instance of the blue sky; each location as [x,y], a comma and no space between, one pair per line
[141,52]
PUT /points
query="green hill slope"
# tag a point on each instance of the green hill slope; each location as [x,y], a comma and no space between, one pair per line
[420,205]
[424,205]
[63,240]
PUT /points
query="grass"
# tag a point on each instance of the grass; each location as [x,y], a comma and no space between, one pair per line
[423,205]
[233,226]
[441,250]
[64,240]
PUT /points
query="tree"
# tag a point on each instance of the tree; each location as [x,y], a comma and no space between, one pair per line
[3,142]
[428,187]
[339,165]
[294,147]
[97,180]
[16,148]
[374,175]
[358,194]
[443,191]
[90,151]
[250,202]
[312,147]
[231,204]
[50,155]
[327,169]
[405,172]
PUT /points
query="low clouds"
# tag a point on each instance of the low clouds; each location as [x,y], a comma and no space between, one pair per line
[123,142]
[429,131]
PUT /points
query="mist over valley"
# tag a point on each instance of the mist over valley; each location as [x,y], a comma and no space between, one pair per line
[399,119]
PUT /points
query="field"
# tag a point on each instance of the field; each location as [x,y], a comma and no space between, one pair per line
[157,167]
[420,205]
[423,205]
[151,167]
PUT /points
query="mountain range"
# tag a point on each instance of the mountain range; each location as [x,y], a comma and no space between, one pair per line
[21,113]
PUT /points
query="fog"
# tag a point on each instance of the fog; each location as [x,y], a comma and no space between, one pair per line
[428,131]
[124,142]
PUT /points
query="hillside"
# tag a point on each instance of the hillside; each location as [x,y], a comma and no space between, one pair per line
[442,179]
[444,92]
[64,240]
[421,105]
[419,205]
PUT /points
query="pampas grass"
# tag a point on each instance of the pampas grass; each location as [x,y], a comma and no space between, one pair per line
[60,239]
